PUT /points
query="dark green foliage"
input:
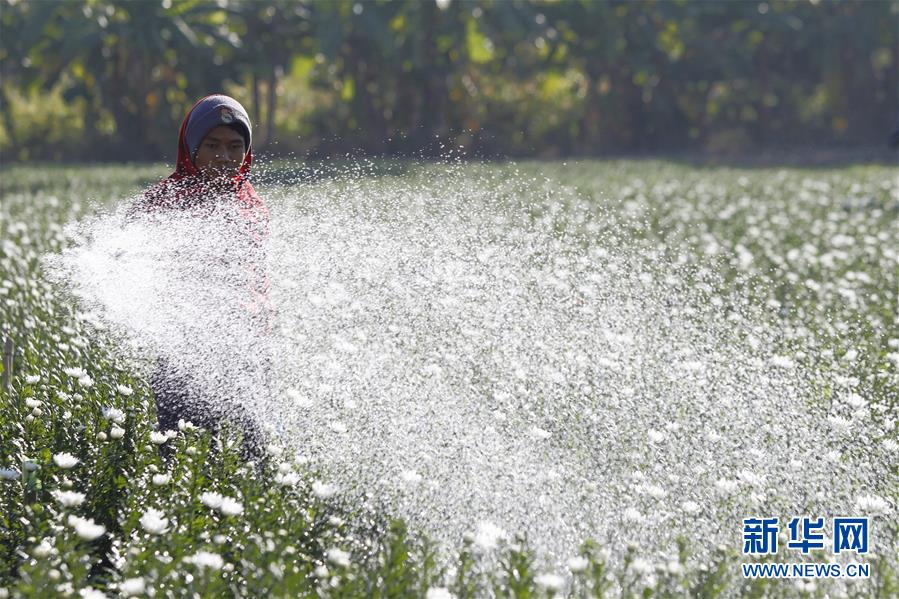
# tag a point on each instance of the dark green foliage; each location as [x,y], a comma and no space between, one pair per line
[111,79]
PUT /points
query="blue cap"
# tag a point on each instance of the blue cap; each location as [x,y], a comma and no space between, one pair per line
[211,112]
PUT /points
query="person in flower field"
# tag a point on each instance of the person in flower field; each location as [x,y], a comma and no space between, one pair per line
[212,173]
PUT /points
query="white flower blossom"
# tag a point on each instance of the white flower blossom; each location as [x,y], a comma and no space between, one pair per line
[323,490]
[206,559]
[287,479]
[488,535]
[114,414]
[439,593]
[539,434]
[550,582]
[86,528]
[578,563]
[43,549]
[31,379]
[132,587]
[691,507]
[124,390]
[211,499]
[161,479]
[231,507]
[871,505]
[641,566]
[781,362]
[65,460]
[68,498]
[91,593]
[338,557]
[116,432]
[158,438]
[633,515]
[154,522]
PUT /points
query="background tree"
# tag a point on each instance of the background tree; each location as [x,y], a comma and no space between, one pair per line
[101,79]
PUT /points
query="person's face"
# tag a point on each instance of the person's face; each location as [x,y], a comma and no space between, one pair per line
[221,153]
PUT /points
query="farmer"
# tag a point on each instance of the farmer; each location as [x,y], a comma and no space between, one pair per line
[212,173]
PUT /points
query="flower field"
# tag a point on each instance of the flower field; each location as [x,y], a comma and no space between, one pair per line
[94,501]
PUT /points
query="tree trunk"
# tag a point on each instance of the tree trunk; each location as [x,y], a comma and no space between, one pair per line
[270,110]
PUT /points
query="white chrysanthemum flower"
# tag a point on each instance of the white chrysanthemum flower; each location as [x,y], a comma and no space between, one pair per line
[75,372]
[9,474]
[32,403]
[854,400]
[124,390]
[31,379]
[287,479]
[86,381]
[654,491]
[488,535]
[86,528]
[655,436]
[154,522]
[338,557]
[550,582]
[29,465]
[321,571]
[871,505]
[323,490]
[578,564]
[116,432]
[231,507]
[439,593]
[691,507]
[206,559]
[92,593]
[727,485]
[114,414]
[158,438]
[43,549]
[68,498]
[186,425]
[65,460]
[132,587]
[641,566]
[838,423]
[539,434]
[161,479]
[211,499]
[781,362]
[632,514]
